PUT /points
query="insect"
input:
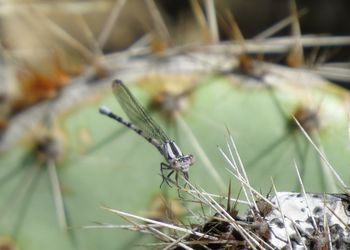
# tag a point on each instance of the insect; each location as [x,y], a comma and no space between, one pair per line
[145,126]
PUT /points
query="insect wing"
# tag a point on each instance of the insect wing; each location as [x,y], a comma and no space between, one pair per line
[136,113]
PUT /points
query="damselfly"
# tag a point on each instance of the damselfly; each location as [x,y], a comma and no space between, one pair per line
[144,125]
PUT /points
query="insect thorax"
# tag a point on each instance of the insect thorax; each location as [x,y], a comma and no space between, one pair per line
[177,160]
[171,150]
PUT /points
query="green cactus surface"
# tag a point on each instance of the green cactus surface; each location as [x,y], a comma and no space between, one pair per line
[104,163]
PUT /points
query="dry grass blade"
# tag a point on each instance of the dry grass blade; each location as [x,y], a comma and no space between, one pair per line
[168,238]
[242,170]
[345,224]
[323,157]
[57,194]
[19,192]
[282,214]
[63,35]
[211,14]
[200,152]
[333,71]
[236,32]
[90,36]
[111,20]
[278,26]
[158,21]
[223,214]
[138,228]
[304,193]
[165,225]
[221,197]
[243,182]
[200,18]
[279,44]
[295,57]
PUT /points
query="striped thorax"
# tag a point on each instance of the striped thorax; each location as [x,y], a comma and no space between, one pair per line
[177,160]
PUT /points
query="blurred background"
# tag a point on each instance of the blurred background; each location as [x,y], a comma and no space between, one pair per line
[204,70]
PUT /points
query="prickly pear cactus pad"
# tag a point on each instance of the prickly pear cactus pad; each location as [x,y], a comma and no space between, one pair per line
[104,163]
[140,111]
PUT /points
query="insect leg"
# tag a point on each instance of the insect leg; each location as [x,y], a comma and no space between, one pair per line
[163,167]
[186,177]
[177,179]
